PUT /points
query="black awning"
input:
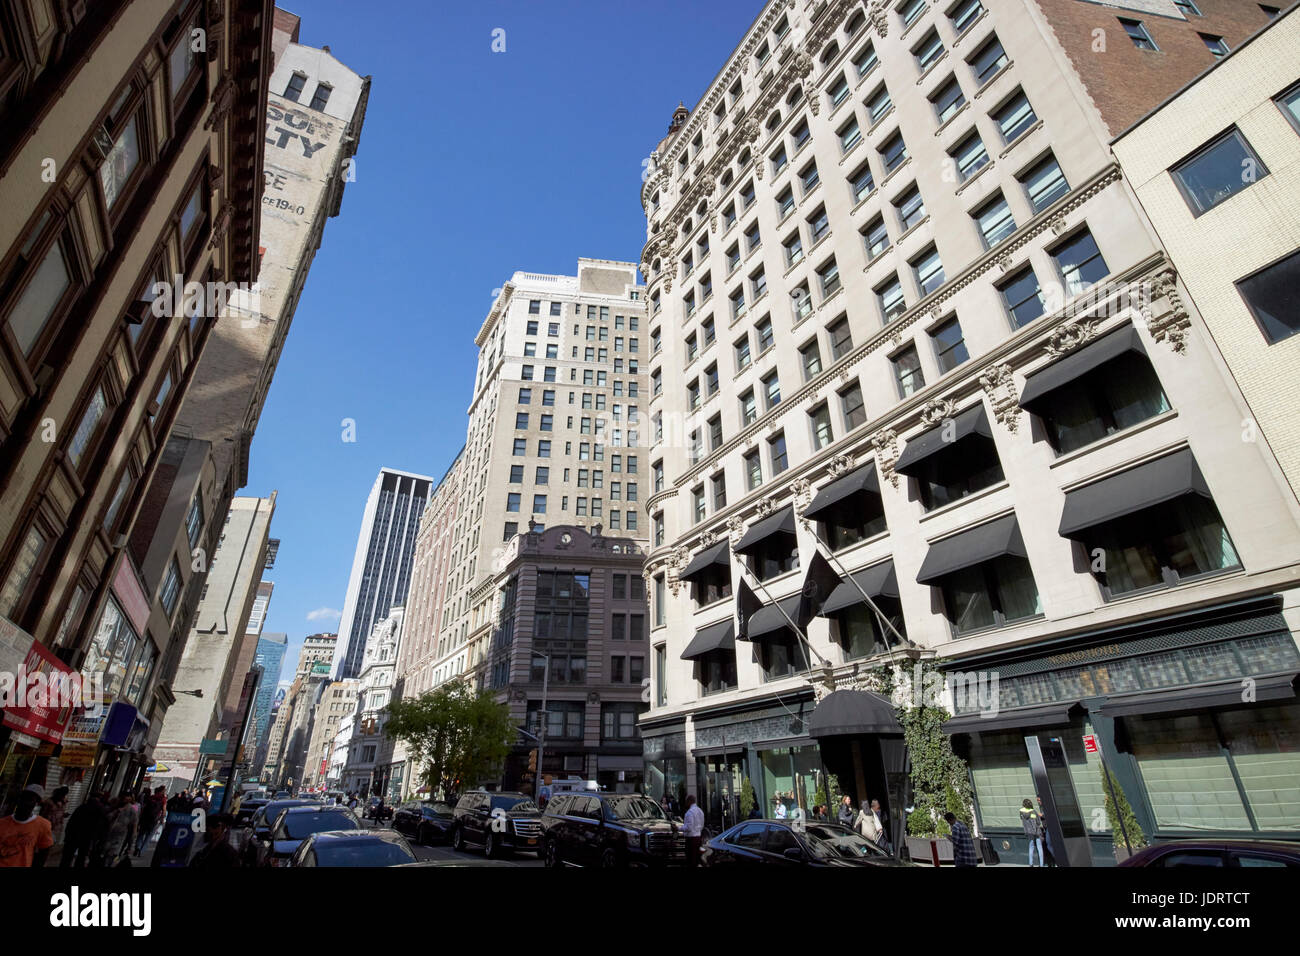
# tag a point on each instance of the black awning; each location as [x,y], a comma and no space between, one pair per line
[715,637]
[847,713]
[1226,693]
[973,421]
[780,523]
[769,622]
[856,482]
[1050,715]
[983,543]
[716,556]
[1079,363]
[878,580]
[1138,488]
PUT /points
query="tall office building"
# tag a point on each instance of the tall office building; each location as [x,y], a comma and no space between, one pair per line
[270,658]
[952,356]
[381,568]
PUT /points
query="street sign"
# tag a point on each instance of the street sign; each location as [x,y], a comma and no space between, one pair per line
[1090,744]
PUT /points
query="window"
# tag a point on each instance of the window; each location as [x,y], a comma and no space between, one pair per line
[995,221]
[752,238]
[811,359]
[893,153]
[516,474]
[1014,117]
[1023,297]
[544,448]
[929,270]
[852,407]
[987,61]
[547,423]
[772,389]
[829,277]
[526,373]
[321,96]
[747,196]
[911,12]
[697,504]
[907,371]
[539,504]
[818,224]
[820,421]
[838,92]
[947,100]
[964,14]
[1080,262]
[841,337]
[1188,7]
[1270,12]
[890,299]
[1114,396]
[521,446]
[555,310]
[753,470]
[719,487]
[969,156]
[1215,45]
[801,303]
[949,345]
[910,207]
[715,433]
[543,475]
[758,283]
[748,408]
[850,135]
[294,88]
[1224,167]
[929,50]
[879,104]
[861,184]
[88,426]
[548,397]
[521,420]
[793,248]
[991,594]
[737,303]
[809,178]
[779,161]
[865,61]
[1138,34]
[23,570]
[1273,296]
[1044,183]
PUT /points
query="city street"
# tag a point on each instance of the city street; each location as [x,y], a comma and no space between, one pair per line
[446,856]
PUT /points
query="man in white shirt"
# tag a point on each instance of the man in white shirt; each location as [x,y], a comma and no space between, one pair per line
[693,828]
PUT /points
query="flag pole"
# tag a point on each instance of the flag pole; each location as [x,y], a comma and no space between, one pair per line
[826,552]
[773,601]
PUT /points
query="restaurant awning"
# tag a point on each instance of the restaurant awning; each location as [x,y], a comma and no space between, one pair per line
[768,621]
[1138,488]
[1049,715]
[715,637]
[1079,363]
[847,713]
[1226,693]
[780,523]
[862,480]
[983,543]
[877,580]
[716,556]
[929,443]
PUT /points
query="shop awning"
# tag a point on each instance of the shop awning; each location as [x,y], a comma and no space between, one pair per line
[1138,488]
[781,523]
[769,622]
[715,637]
[846,713]
[716,556]
[1079,363]
[1225,693]
[924,446]
[1050,715]
[983,543]
[863,480]
[877,580]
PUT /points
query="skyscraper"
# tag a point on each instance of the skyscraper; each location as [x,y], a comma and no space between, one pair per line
[381,569]
[270,657]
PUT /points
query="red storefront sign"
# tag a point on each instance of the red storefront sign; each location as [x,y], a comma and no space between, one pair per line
[126,585]
[31,714]
[1090,743]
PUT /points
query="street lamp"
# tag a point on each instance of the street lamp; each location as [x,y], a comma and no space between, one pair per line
[541,728]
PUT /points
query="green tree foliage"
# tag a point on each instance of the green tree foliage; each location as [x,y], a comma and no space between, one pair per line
[940,780]
[747,799]
[459,737]
[1136,838]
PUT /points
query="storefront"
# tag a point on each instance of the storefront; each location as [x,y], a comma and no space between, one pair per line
[1196,715]
[664,760]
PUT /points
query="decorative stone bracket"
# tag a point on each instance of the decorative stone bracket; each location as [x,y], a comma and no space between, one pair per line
[885,443]
[1000,388]
[1170,324]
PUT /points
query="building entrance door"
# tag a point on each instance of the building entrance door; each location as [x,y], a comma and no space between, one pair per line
[720,800]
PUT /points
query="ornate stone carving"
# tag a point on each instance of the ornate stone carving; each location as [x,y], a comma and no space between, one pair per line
[758,170]
[765,507]
[1170,325]
[878,18]
[1057,224]
[999,386]
[840,465]
[221,224]
[803,493]
[709,538]
[1069,336]
[885,442]
[735,528]
[223,98]
[751,131]
[815,104]
[1004,262]
[803,64]
[937,410]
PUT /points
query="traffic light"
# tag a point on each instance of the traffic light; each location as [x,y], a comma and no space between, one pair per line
[532,761]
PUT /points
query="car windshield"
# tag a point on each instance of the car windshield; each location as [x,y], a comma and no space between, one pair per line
[828,842]
[299,826]
[358,853]
[634,808]
[512,803]
[438,809]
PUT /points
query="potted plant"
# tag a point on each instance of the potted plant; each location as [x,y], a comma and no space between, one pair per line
[747,799]
[1123,813]
[940,783]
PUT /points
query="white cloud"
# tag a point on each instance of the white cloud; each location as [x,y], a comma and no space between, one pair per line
[324,614]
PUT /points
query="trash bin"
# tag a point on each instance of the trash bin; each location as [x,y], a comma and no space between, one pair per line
[986,851]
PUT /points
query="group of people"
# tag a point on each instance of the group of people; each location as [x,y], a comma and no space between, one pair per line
[870,820]
[103,831]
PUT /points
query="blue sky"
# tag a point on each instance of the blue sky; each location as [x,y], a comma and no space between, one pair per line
[472,165]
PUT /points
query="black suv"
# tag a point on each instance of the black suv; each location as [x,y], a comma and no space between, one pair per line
[610,830]
[497,822]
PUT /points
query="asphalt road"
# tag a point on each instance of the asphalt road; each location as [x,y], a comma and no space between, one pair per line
[446,856]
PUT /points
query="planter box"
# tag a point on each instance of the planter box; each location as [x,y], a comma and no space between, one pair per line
[923,850]
[1121,854]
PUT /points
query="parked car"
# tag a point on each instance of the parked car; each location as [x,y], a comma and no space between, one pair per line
[782,843]
[247,808]
[377,810]
[1232,854]
[496,821]
[282,795]
[296,824]
[256,847]
[353,848]
[427,821]
[609,830]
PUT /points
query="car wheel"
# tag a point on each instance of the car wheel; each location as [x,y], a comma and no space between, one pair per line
[552,855]
[458,840]
[609,858]
[491,845]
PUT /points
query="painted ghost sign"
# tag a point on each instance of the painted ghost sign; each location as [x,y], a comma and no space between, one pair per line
[297,130]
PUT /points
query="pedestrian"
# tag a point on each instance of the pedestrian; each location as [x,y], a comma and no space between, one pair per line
[25,837]
[120,837]
[217,853]
[1032,824]
[150,810]
[693,829]
[85,829]
[779,811]
[54,809]
[846,816]
[963,847]
[867,824]
[882,822]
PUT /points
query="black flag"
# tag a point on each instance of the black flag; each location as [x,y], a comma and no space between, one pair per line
[747,603]
[818,584]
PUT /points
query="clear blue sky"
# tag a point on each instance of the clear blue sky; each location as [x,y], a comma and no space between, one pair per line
[472,165]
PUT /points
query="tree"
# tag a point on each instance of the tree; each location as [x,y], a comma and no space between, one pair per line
[1136,838]
[747,799]
[458,736]
[940,780]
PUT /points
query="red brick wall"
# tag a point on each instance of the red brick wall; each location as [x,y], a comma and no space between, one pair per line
[1125,82]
